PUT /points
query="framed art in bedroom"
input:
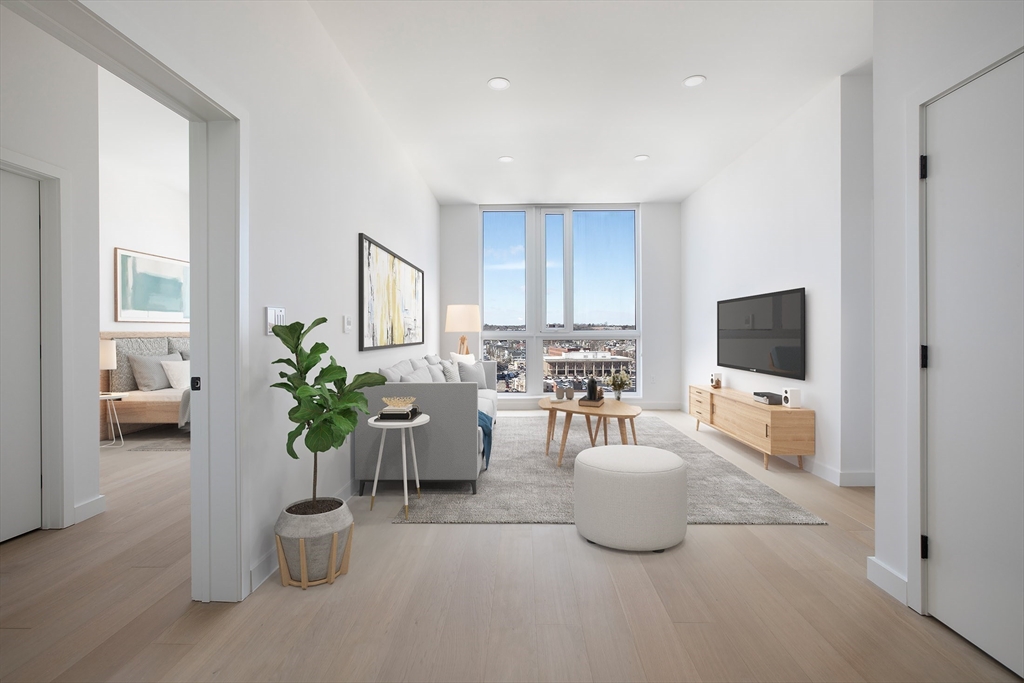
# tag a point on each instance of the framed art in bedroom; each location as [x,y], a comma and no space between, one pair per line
[390,298]
[150,288]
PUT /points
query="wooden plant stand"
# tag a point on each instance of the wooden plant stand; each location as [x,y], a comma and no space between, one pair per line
[304,582]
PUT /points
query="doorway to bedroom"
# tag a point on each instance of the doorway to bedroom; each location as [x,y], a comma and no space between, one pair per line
[145,283]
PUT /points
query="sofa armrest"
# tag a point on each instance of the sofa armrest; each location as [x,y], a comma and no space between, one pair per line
[491,374]
[446,447]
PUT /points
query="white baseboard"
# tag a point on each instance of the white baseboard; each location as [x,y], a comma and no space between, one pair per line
[90,508]
[887,579]
[263,569]
[856,478]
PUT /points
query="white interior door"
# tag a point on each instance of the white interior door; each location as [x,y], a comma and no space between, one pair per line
[975,337]
[20,434]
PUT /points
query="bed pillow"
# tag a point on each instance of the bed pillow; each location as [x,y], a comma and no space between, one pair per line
[421,375]
[473,373]
[178,372]
[450,370]
[436,373]
[121,378]
[463,358]
[148,372]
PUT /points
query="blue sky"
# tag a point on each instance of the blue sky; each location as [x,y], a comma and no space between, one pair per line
[603,267]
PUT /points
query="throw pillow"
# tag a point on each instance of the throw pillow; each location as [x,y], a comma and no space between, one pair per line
[421,375]
[391,374]
[149,374]
[178,372]
[473,373]
[418,363]
[436,373]
[460,358]
[432,359]
[404,367]
[450,370]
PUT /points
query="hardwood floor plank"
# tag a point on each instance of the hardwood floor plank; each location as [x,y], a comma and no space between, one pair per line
[662,655]
[152,663]
[461,654]
[610,648]
[711,649]
[672,580]
[562,653]
[512,642]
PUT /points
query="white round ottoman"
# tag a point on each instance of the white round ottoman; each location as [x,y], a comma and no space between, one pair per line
[630,497]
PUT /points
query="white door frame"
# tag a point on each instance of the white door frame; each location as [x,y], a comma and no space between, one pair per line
[997,51]
[219,235]
[56,333]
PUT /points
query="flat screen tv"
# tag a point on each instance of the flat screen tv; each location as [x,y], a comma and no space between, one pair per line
[764,333]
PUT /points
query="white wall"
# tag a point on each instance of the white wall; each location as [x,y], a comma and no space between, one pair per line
[659,312]
[916,42]
[775,220]
[143,181]
[322,167]
[48,111]
[857,416]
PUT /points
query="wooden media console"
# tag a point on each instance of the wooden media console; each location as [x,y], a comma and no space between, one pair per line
[772,430]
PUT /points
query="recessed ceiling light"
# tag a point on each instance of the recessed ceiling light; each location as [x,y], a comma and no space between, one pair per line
[499,83]
[641,157]
[694,81]
[506,160]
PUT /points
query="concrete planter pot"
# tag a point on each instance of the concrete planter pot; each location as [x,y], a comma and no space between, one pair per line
[314,549]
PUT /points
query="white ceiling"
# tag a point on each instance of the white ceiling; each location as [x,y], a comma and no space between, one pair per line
[593,85]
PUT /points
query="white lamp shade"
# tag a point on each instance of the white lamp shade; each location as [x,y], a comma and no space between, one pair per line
[108,354]
[462,318]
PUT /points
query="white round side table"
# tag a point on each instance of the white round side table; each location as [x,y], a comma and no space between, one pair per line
[406,427]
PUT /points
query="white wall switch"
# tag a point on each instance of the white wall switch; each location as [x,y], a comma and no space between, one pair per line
[275,316]
[346,324]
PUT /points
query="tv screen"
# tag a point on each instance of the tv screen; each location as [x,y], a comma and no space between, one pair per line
[763,333]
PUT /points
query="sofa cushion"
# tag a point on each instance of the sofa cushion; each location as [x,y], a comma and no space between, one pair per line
[404,367]
[436,373]
[487,401]
[473,373]
[422,375]
[391,374]
[450,370]
[418,363]
[432,359]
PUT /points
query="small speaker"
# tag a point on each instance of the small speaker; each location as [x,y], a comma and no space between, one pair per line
[716,380]
[791,398]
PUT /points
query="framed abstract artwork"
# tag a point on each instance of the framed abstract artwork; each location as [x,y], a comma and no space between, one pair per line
[149,288]
[390,298]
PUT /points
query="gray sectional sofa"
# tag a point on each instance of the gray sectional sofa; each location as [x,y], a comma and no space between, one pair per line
[448,448]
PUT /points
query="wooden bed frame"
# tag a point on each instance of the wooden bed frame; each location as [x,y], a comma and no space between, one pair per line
[137,415]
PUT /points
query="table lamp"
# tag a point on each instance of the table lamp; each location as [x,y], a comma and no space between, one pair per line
[462,318]
[108,354]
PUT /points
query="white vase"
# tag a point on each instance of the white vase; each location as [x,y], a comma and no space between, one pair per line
[618,395]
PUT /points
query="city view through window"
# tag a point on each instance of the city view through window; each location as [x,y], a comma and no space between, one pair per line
[586,278]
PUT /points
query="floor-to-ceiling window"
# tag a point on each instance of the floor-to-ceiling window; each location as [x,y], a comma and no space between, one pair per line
[560,292]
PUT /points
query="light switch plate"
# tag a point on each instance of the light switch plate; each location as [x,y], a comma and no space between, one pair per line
[346,324]
[275,316]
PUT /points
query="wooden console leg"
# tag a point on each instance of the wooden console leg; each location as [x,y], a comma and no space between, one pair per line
[766,461]
[698,426]
[800,461]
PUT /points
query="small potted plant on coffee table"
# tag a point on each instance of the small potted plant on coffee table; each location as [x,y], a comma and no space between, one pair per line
[619,381]
[312,532]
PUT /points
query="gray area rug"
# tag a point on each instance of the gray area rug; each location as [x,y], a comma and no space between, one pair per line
[524,487]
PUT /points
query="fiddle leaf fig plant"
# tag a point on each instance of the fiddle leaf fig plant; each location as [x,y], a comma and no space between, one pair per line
[325,408]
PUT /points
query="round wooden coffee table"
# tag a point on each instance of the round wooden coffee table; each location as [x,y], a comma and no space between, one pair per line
[611,409]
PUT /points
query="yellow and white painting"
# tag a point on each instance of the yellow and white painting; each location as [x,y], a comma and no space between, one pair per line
[391,295]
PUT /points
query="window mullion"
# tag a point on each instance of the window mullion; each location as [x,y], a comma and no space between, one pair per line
[567,290]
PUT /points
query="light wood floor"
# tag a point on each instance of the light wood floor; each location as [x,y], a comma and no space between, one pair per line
[108,599]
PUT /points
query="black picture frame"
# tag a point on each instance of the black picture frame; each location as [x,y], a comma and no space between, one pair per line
[381,270]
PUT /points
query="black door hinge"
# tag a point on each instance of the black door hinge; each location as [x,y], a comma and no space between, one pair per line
[924,547]
[924,356]
[924,167]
